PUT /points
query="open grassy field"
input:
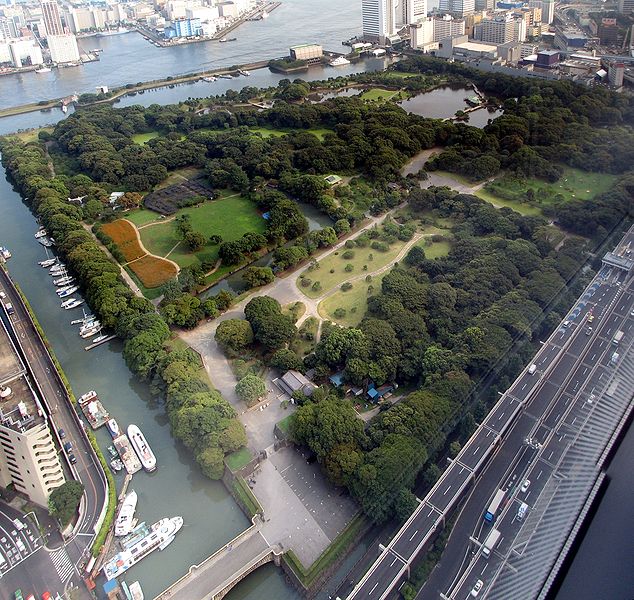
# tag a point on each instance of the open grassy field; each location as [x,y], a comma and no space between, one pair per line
[354,302]
[379,94]
[142,216]
[124,236]
[435,249]
[574,183]
[229,217]
[31,135]
[300,344]
[335,262]
[269,131]
[144,138]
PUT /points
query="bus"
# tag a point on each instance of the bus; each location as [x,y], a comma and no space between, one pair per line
[489,515]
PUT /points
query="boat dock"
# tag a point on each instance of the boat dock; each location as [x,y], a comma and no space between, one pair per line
[267,9]
[93,410]
[95,344]
[128,456]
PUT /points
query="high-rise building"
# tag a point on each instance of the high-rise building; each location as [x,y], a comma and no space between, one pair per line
[616,71]
[28,457]
[447,27]
[458,8]
[63,48]
[500,29]
[52,20]
[626,7]
[412,11]
[379,19]
[547,7]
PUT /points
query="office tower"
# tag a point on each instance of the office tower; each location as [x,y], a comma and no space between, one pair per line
[52,20]
[63,48]
[616,71]
[626,7]
[379,19]
[458,8]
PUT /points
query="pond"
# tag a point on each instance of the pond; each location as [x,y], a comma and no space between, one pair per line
[443,102]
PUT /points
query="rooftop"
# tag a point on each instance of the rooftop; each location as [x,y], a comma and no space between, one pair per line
[10,364]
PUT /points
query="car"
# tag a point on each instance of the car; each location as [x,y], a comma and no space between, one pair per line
[20,544]
[18,594]
[632,314]
[68,447]
[475,590]
[525,485]
[72,458]
[2,295]
[588,330]
[30,597]
[61,433]
[590,318]
[566,323]
[46,596]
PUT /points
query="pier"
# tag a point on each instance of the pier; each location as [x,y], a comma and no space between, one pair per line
[96,344]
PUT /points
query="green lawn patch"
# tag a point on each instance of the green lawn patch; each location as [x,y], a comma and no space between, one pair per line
[228,217]
[304,342]
[179,176]
[573,184]
[337,548]
[245,496]
[272,132]
[374,259]
[379,94]
[354,302]
[285,424]
[142,216]
[524,208]
[294,310]
[144,138]
[238,459]
[434,249]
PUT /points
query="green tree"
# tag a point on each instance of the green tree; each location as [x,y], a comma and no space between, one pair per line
[250,389]
[405,504]
[234,334]
[194,240]
[64,501]
[286,360]
[211,461]
[258,276]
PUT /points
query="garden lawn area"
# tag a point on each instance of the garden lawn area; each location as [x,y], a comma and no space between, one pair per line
[144,138]
[294,310]
[228,217]
[574,183]
[354,302]
[31,135]
[238,459]
[435,249]
[153,271]
[379,94]
[149,293]
[336,262]
[299,344]
[285,424]
[524,208]
[270,131]
[142,216]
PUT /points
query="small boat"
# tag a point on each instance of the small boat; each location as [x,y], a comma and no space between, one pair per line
[71,303]
[114,429]
[116,465]
[57,267]
[85,319]
[64,280]
[89,325]
[340,61]
[135,591]
[64,108]
[43,70]
[90,332]
[123,523]
[46,242]
[48,262]
[112,450]
[224,39]
[142,448]
[209,79]
[100,338]
[225,77]
[67,291]
[41,233]
[4,252]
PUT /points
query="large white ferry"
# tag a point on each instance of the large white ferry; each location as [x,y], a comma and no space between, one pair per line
[142,448]
[161,536]
[123,524]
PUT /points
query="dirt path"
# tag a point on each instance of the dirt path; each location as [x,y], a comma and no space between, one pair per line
[153,223]
[138,237]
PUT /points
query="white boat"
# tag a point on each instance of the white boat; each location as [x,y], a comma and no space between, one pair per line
[67,291]
[41,233]
[74,304]
[340,61]
[43,70]
[57,267]
[90,332]
[116,465]
[123,523]
[89,325]
[209,79]
[142,448]
[48,262]
[64,108]
[46,242]
[135,591]
[100,338]
[85,319]
[64,280]
[4,252]
[161,536]
[113,428]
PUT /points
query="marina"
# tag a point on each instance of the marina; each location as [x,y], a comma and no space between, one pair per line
[125,519]
[4,252]
[102,339]
[93,410]
[128,456]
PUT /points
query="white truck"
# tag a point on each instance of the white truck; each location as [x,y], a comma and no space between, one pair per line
[618,336]
[492,539]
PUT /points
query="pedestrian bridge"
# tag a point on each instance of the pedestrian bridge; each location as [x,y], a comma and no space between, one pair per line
[219,573]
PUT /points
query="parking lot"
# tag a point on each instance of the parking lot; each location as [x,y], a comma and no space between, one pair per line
[19,538]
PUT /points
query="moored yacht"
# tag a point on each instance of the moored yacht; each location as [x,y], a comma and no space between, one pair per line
[113,428]
[123,523]
[142,448]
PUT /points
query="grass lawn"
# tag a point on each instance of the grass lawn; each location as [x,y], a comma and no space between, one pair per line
[144,138]
[142,216]
[435,249]
[379,94]
[32,135]
[238,459]
[354,302]
[269,131]
[574,183]
[336,262]
[524,208]
[300,345]
[179,176]
[228,217]
[294,310]
[285,424]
